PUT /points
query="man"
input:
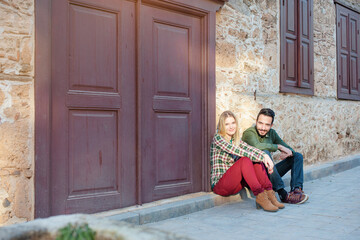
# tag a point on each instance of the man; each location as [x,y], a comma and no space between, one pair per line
[263,137]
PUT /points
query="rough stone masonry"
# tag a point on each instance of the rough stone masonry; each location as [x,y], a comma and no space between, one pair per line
[248,60]
[16,110]
[247,50]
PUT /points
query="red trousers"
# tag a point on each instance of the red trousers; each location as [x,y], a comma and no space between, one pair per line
[243,173]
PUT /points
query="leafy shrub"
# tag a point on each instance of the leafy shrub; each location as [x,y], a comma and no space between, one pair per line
[76,232]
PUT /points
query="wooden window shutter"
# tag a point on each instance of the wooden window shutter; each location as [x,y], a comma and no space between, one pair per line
[348,53]
[306,52]
[296,57]
[288,44]
[342,51]
[354,45]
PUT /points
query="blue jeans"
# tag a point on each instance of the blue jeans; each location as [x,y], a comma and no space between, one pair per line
[293,163]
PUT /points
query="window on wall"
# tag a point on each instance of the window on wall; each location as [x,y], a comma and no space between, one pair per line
[348,53]
[296,51]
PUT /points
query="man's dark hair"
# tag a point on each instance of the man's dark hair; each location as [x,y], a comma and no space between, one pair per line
[267,112]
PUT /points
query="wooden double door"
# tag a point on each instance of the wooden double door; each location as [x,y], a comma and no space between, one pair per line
[128,104]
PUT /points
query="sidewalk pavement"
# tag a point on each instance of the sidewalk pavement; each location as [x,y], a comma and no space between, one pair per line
[332,212]
[183,205]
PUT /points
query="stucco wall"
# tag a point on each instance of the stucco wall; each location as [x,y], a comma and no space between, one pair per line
[248,58]
[16,110]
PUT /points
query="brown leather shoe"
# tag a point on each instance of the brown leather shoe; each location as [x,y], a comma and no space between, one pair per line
[262,201]
[295,198]
[273,199]
[298,190]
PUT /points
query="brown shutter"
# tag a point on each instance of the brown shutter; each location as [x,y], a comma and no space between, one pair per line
[288,44]
[305,47]
[348,53]
[354,44]
[296,73]
[342,51]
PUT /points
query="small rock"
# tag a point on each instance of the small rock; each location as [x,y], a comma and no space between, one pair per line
[348,132]
[16,173]
[28,173]
[6,203]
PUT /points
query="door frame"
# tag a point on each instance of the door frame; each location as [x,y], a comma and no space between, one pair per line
[42,107]
[42,88]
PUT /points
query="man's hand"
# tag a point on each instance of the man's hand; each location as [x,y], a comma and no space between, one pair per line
[268,163]
[285,152]
[283,155]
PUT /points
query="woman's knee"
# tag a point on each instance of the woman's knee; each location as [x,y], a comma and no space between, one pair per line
[236,168]
[259,166]
[245,161]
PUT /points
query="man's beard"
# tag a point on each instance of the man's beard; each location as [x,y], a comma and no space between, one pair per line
[259,132]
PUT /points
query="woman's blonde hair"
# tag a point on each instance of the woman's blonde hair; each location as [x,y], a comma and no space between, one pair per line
[221,126]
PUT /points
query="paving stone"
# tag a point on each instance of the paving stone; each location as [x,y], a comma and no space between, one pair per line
[332,212]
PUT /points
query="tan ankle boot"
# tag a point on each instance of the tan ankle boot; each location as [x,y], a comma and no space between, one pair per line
[273,199]
[263,201]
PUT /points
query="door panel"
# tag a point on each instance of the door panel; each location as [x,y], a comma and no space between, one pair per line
[92,159]
[171,103]
[304,69]
[178,136]
[344,68]
[291,66]
[93,49]
[170,46]
[93,131]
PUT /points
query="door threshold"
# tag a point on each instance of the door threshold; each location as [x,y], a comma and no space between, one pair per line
[169,208]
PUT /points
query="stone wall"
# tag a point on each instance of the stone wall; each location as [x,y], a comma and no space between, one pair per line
[16,110]
[320,127]
[247,79]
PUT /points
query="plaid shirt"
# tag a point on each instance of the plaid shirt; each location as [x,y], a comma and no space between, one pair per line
[221,156]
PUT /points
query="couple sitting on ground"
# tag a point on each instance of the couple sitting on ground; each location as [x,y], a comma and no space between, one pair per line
[237,163]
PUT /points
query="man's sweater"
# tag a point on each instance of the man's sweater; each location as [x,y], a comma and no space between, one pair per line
[268,142]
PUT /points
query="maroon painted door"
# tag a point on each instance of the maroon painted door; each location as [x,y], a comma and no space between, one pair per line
[93,106]
[171,76]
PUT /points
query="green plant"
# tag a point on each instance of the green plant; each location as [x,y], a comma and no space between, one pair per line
[76,232]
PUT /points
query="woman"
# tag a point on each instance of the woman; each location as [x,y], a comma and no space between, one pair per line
[235,164]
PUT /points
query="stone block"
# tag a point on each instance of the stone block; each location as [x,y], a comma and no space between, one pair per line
[225,54]
[15,130]
[2,98]
[268,20]
[220,78]
[22,202]
[26,51]
[4,217]
[240,35]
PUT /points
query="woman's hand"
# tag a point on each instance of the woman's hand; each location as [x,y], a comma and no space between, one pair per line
[269,164]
